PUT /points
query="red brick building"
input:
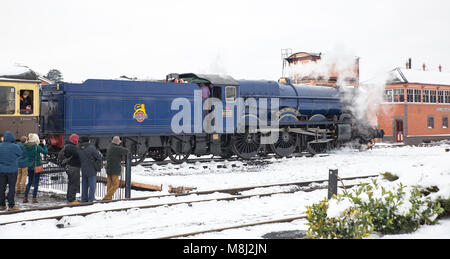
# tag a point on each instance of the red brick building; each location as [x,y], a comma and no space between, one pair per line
[416,107]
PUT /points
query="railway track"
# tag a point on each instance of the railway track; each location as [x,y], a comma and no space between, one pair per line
[58,212]
[218,159]
[257,159]
[253,224]
[50,167]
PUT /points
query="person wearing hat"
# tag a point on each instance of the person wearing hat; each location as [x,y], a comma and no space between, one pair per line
[113,166]
[34,151]
[88,155]
[9,155]
[70,154]
[22,173]
[26,105]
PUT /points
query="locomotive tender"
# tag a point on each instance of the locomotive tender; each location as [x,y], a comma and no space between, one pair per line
[307,118]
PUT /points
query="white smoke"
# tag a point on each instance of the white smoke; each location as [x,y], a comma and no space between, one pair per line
[329,64]
[365,101]
[362,101]
[216,66]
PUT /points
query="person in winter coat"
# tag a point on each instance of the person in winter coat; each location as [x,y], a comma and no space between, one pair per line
[9,155]
[34,151]
[70,152]
[22,173]
[113,166]
[88,155]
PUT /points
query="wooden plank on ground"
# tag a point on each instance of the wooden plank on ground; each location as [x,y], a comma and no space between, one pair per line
[134,185]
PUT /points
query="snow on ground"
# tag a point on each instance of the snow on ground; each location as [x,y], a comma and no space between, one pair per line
[414,165]
[411,163]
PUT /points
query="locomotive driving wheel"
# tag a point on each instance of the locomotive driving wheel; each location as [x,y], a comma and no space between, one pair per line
[136,159]
[180,149]
[285,145]
[246,145]
[314,147]
[178,157]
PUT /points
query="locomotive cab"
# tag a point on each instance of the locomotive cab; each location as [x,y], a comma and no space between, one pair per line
[19,106]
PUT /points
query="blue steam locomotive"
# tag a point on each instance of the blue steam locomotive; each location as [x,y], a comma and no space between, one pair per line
[171,118]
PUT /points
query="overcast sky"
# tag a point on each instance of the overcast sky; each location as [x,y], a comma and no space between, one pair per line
[243,38]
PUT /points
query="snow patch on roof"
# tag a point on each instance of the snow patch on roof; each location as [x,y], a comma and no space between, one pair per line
[12,70]
[402,75]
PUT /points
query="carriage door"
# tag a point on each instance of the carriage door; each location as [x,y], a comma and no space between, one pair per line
[398,130]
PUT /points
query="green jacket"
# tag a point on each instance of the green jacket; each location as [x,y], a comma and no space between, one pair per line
[114,158]
[33,158]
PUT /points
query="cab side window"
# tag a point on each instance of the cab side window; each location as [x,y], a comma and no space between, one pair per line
[26,102]
[7,101]
[230,94]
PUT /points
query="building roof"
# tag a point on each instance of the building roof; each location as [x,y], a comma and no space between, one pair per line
[44,79]
[306,54]
[209,78]
[402,75]
[5,79]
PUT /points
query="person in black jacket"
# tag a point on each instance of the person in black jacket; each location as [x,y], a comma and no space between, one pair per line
[73,165]
[88,155]
[114,156]
[26,104]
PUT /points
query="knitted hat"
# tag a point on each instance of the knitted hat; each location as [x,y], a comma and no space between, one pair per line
[74,139]
[33,138]
[116,140]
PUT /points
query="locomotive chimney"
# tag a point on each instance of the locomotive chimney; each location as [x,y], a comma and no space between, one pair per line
[440,68]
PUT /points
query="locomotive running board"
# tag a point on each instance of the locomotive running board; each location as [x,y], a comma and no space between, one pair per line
[305,132]
[320,141]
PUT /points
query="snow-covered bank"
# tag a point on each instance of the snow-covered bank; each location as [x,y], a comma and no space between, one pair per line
[414,165]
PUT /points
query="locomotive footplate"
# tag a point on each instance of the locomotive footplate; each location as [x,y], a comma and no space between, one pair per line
[309,132]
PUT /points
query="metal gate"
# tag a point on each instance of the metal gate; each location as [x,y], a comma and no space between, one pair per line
[54,179]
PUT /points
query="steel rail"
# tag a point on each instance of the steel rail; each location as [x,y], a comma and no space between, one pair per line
[231,159]
[282,220]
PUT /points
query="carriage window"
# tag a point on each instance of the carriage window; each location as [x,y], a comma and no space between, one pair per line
[26,102]
[7,102]
[230,94]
